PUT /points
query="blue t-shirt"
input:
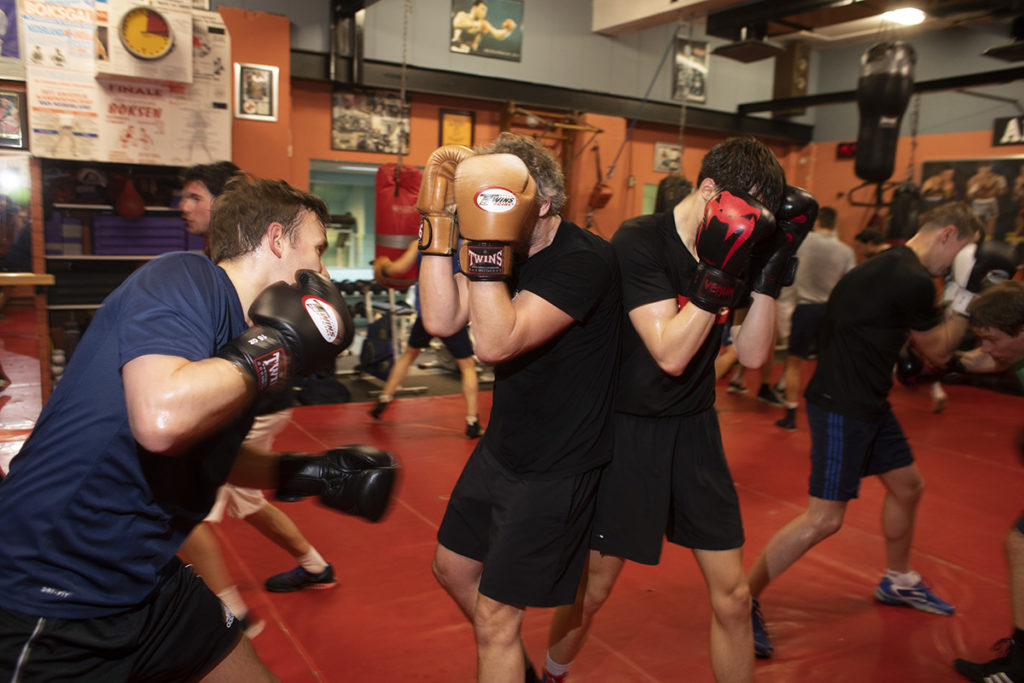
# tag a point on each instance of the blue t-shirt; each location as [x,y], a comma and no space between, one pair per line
[91,520]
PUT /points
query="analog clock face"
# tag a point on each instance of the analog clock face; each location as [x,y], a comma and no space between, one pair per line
[146,33]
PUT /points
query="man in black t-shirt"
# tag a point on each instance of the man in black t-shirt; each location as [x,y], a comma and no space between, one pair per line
[543,298]
[853,430]
[681,272]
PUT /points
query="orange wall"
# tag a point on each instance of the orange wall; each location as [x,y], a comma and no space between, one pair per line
[283,149]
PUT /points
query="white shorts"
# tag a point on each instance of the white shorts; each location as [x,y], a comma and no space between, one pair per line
[240,502]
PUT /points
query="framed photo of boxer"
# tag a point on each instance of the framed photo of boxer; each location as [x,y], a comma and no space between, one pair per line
[487,29]
[668,158]
[994,189]
[372,121]
[255,92]
[690,70]
[456,127]
[13,120]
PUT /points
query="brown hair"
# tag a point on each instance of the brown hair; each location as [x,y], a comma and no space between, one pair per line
[546,171]
[248,205]
[745,165]
[1000,306]
[958,214]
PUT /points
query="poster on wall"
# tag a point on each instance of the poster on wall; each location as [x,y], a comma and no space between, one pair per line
[369,122]
[690,70]
[488,29]
[12,67]
[994,188]
[75,115]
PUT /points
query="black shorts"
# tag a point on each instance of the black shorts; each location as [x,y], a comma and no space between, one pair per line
[803,329]
[668,478]
[458,343]
[177,634]
[530,534]
[845,449]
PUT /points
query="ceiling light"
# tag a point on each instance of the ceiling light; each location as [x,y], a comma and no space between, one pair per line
[907,16]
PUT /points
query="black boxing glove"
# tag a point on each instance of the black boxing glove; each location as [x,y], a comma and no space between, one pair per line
[297,329]
[357,480]
[733,224]
[774,262]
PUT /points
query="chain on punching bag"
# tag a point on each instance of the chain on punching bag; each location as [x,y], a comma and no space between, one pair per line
[883,91]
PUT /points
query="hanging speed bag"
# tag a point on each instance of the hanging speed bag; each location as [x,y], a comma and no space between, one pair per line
[883,91]
[396,219]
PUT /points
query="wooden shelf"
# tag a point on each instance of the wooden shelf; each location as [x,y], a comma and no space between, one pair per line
[99,257]
[73,307]
[110,207]
[13,279]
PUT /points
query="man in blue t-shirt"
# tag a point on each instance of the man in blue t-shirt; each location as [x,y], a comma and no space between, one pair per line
[144,426]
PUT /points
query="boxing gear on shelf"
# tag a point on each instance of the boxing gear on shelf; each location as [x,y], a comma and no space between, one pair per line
[297,329]
[774,263]
[733,224]
[495,197]
[436,201]
[354,479]
[993,262]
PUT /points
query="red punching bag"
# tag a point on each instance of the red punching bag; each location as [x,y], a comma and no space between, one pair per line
[883,91]
[396,218]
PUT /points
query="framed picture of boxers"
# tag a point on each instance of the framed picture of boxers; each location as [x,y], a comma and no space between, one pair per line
[370,121]
[13,120]
[993,187]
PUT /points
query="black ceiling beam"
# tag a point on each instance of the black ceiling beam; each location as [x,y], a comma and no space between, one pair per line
[728,23]
[949,83]
[314,66]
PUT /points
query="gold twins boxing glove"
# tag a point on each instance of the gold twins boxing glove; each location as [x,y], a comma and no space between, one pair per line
[496,201]
[436,200]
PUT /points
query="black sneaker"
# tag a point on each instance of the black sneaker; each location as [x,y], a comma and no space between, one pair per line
[1007,668]
[378,409]
[299,578]
[474,430]
[787,424]
[767,395]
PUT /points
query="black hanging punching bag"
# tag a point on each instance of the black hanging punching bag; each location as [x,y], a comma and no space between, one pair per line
[904,211]
[883,91]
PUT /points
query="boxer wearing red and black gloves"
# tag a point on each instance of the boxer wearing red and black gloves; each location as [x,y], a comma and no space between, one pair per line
[668,476]
[543,298]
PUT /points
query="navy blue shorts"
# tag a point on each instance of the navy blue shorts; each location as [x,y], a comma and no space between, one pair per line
[178,634]
[845,449]
[803,329]
[458,343]
[530,534]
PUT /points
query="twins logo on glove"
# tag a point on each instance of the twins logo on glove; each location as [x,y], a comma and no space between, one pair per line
[495,200]
[324,317]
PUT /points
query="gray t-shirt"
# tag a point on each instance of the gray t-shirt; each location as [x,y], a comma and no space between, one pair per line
[823,260]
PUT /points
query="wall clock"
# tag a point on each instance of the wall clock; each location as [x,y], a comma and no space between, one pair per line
[145,33]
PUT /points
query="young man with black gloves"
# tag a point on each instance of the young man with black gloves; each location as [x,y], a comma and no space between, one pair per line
[145,425]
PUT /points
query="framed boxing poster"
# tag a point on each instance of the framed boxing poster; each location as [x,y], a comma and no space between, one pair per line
[255,92]
[373,121]
[456,127]
[690,70]
[668,157]
[487,29]
[13,120]
[994,189]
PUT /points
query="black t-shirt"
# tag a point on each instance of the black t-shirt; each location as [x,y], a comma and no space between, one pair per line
[865,325]
[549,416]
[655,266]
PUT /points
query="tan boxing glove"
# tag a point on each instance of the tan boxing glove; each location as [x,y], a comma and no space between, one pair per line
[495,197]
[436,201]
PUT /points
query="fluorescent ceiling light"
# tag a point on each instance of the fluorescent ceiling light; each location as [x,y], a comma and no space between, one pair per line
[907,16]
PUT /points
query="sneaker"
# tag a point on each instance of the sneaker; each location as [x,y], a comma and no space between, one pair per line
[787,424]
[762,646]
[299,578]
[474,430]
[378,409]
[251,628]
[767,395]
[736,388]
[552,678]
[919,596]
[1007,668]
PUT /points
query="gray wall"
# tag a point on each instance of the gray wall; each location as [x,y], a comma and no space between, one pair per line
[559,49]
